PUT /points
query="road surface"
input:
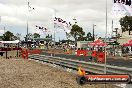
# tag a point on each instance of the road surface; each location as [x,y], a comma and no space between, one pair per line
[110,61]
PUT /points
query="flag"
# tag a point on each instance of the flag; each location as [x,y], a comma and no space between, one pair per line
[59,23]
[42,29]
[58,26]
[122,7]
[67,29]
[68,35]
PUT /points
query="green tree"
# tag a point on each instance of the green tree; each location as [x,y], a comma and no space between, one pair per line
[8,36]
[36,35]
[76,32]
[99,38]
[48,36]
[1,37]
[68,35]
[82,38]
[89,37]
[29,37]
[126,24]
[48,41]
[18,35]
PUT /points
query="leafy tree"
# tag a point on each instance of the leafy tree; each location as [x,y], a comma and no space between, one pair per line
[14,37]
[48,41]
[48,36]
[82,38]
[30,37]
[76,32]
[68,35]
[99,38]
[1,37]
[36,35]
[89,37]
[8,36]
[66,41]
[126,24]
[18,35]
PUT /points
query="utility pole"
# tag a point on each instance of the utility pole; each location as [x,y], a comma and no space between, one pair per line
[105,64]
[5,44]
[4,30]
[75,22]
[29,9]
[93,32]
[27,24]
[112,29]
[54,31]
[27,35]
[54,40]
[116,31]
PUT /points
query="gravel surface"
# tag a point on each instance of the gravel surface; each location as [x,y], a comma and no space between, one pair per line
[19,73]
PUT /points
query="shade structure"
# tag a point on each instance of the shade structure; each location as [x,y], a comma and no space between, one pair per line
[16,41]
[92,44]
[128,44]
[130,41]
[97,43]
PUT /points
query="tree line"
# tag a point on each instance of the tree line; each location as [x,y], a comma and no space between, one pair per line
[9,36]
[76,32]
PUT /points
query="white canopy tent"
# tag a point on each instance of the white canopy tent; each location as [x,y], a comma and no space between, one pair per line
[16,41]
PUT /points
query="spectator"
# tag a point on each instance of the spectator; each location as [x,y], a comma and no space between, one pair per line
[127,50]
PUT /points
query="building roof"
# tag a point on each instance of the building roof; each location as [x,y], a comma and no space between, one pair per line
[42,39]
[125,37]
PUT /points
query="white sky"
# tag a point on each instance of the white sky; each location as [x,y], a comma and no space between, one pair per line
[87,12]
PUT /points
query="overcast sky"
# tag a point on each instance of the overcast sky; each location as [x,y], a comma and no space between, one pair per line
[14,15]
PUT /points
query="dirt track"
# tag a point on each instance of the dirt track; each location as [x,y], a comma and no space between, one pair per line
[18,73]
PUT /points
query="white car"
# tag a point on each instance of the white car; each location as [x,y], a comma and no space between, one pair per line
[72,46]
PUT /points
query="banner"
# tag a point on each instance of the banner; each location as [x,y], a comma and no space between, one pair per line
[122,7]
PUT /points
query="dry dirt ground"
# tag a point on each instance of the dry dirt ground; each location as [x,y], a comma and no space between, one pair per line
[56,51]
[19,73]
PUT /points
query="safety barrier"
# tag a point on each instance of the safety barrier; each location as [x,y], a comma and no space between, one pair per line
[9,49]
[36,51]
[101,57]
[5,51]
[97,56]
[82,52]
[26,52]
[94,53]
[88,66]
